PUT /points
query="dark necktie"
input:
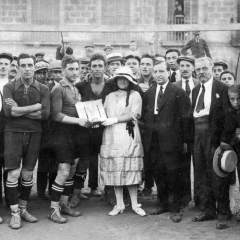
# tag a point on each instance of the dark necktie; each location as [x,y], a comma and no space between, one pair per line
[173,77]
[200,104]
[160,93]
[188,90]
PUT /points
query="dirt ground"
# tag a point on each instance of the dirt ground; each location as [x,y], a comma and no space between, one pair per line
[96,224]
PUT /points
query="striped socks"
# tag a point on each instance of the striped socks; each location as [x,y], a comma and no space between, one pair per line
[56,192]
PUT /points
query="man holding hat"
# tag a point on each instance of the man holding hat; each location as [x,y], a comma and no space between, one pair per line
[108,49]
[114,61]
[198,46]
[39,56]
[5,61]
[64,49]
[209,100]
[41,70]
[219,67]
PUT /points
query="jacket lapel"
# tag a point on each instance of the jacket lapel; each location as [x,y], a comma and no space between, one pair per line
[165,96]
[213,99]
[194,96]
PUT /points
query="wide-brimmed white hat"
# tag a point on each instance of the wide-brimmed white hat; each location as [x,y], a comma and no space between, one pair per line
[125,72]
[224,162]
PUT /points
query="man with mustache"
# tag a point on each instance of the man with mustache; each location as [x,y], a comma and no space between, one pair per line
[13,69]
[5,61]
[171,59]
[187,83]
[209,100]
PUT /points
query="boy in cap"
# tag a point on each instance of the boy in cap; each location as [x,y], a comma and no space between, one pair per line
[218,68]
[198,46]
[108,49]
[39,56]
[114,61]
[41,70]
[83,67]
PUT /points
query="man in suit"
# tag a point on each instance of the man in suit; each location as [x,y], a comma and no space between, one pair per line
[165,116]
[187,83]
[171,59]
[198,46]
[209,99]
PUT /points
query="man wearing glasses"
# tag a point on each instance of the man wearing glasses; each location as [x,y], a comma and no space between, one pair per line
[26,104]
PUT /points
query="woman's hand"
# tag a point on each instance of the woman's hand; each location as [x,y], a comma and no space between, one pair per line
[110,121]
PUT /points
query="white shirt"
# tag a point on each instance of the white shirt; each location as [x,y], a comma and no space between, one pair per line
[207,99]
[3,82]
[156,96]
[191,85]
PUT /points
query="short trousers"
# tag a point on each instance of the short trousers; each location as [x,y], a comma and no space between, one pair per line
[20,146]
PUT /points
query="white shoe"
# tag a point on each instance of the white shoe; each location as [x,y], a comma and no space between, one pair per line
[138,210]
[116,210]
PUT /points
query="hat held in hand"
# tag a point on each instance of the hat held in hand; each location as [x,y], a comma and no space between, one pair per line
[224,162]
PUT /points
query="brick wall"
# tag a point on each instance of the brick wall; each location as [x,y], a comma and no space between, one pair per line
[14,11]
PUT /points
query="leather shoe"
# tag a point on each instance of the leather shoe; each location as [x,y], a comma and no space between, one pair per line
[27,216]
[176,217]
[84,197]
[203,217]
[55,216]
[15,222]
[223,224]
[66,209]
[158,211]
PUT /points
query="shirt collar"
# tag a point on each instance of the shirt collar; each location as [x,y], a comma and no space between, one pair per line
[164,85]
[190,79]
[65,84]
[171,71]
[208,83]
[19,82]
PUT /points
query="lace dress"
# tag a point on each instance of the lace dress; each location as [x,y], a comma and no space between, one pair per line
[121,156]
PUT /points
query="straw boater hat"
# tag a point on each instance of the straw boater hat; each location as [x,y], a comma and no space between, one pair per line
[127,73]
[224,162]
[115,57]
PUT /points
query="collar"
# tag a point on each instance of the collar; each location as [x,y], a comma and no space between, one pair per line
[66,84]
[141,79]
[177,71]
[208,83]
[190,79]
[35,83]
[164,85]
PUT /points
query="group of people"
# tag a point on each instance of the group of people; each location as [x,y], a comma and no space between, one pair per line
[162,111]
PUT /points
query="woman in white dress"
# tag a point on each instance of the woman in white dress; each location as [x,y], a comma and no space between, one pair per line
[121,155]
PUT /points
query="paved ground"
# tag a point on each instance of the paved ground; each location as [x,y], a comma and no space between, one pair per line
[96,224]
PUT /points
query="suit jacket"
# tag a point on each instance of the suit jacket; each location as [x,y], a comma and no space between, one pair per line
[198,50]
[172,123]
[219,103]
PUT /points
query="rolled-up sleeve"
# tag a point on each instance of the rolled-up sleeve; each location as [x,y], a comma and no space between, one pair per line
[7,93]
[56,104]
[45,101]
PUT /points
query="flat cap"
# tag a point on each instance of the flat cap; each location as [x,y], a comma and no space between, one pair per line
[189,58]
[39,54]
[84,60]
[7,56]
[196,32]
[108,46]
[57,64]
[89,45]
[41,65]
[221,63]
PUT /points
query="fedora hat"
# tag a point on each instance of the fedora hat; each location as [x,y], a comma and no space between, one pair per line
[224,162]
[125,72]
